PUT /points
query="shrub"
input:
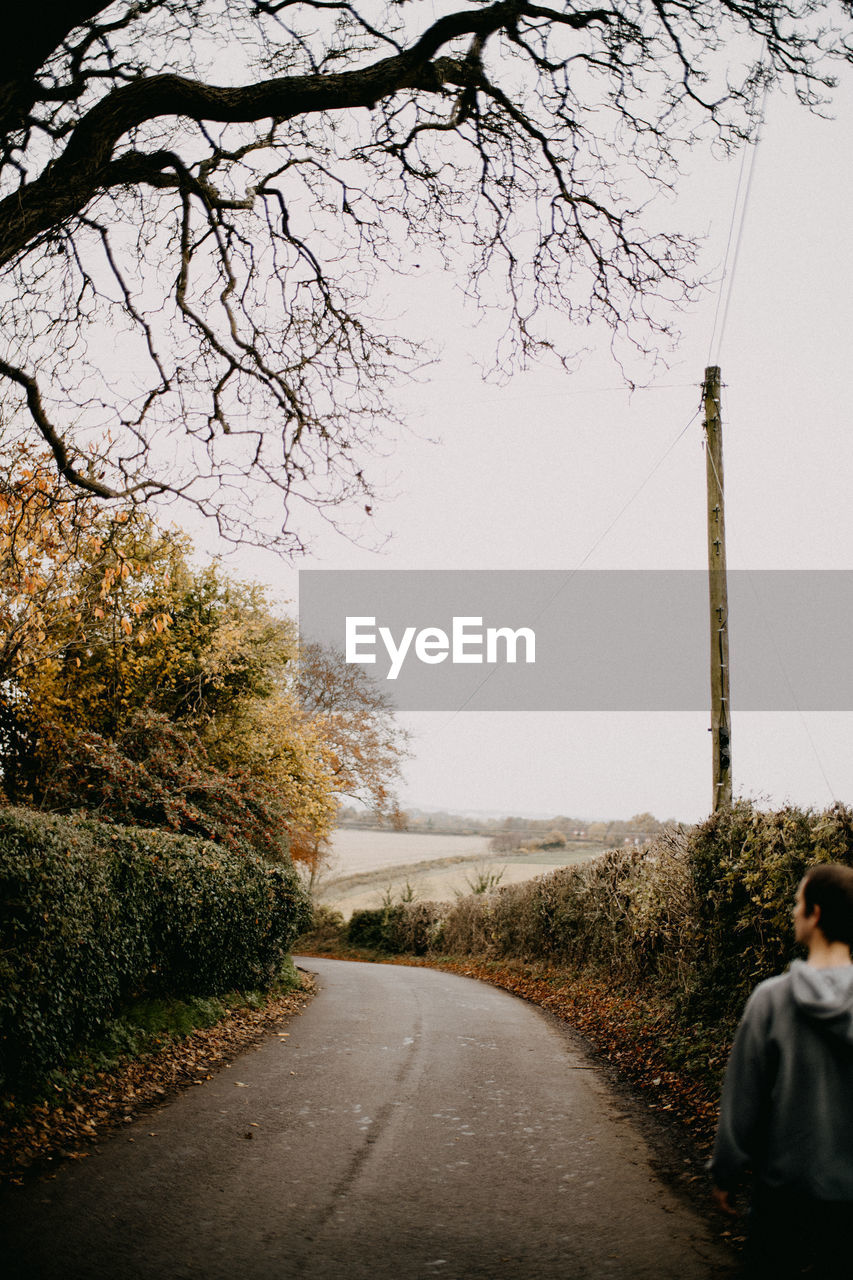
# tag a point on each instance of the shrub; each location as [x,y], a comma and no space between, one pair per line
[746,866]
[409,928]
[91,914]
[325,929]
[417,929]
[65,958]
[374,928]
[155,773]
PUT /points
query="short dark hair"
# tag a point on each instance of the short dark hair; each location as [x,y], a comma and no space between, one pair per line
[829,885]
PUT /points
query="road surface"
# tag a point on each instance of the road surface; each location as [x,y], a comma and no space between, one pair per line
[411,1124]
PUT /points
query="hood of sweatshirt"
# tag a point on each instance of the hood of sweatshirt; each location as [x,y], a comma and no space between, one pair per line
[825,996]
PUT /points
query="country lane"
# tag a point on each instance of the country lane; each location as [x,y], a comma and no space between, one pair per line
[411,1124]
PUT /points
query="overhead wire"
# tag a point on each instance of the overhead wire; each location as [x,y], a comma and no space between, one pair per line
[730,260]
[726,255]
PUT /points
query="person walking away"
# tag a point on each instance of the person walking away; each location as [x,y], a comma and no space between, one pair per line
[786,1111]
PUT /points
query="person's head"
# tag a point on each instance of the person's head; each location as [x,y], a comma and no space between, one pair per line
[825,901]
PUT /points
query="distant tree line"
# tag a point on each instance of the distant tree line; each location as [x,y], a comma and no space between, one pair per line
[511,833]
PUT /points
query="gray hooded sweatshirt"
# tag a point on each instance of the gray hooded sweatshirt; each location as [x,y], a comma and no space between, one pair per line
[787,1105]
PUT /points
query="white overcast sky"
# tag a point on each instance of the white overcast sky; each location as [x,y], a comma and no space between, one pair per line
[544,473]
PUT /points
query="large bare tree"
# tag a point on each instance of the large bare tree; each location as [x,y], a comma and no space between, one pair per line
[197,195]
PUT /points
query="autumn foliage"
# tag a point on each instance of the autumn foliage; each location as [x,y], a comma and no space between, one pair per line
[139,686]
[154,774]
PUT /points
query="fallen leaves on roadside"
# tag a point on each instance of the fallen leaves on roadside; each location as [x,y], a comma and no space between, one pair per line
[40,1132]
[627,1033]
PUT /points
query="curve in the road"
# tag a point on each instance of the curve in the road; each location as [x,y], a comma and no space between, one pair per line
[411,1124]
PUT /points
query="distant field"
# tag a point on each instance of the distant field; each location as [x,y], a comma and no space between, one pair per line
[367,864]
[356,851]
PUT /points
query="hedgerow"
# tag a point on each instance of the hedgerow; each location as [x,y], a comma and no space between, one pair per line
[404,929]
[92,914]
[696,916]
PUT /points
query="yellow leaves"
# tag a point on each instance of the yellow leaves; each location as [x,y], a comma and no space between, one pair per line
[105,617]
[274,741]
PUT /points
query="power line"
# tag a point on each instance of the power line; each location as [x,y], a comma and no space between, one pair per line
[728,276]
[635,494]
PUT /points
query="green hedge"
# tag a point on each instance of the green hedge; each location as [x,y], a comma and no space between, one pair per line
[404,929]
[91,914]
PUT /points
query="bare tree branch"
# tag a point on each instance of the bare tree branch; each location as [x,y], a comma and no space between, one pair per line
[50,434]
[197,196]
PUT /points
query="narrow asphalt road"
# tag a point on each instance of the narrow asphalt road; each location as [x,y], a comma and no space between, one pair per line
[412,1124]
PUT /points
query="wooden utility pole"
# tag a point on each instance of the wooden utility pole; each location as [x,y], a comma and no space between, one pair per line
[721,725]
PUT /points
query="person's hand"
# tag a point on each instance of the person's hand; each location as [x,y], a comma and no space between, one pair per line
[723,1200]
